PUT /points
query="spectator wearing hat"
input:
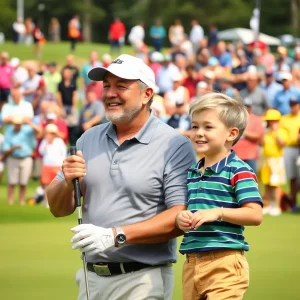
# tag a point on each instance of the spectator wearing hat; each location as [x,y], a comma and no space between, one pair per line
[282,98]
[17,106]
[30,85]
[180,120]
[291,124]
[52,78]
[270,87]
[41,94]
[165,75]
[91,114]
[19,143]
[259,100]
[53,151]
[6,74]
[247,147]
[155,60]
[179,93]
[239,73]
[20,73]
[158,34]
[273,174]
[267,59]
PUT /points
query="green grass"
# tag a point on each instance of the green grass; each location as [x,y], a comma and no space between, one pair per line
[58,52]
[36,260]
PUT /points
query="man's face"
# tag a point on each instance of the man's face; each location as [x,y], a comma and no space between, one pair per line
[294,108]
[16,95]
[252,82]
[286,83]
[122,98]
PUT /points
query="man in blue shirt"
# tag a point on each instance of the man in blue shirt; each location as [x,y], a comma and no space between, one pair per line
[19,144]
[282,98]
[271,87]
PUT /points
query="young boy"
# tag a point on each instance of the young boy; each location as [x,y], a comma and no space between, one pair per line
[222,197]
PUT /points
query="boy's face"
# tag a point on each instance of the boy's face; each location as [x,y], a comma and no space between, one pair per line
[210,136]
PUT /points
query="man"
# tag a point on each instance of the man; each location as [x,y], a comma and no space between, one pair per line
[133,178]
[91,114]
[247,147]
[196,35]
[281,99]
[92,63]
[17,106]
[158,34]
[116,35]
[70,64]
[30,85]
[136,37]
[255,94]
[291,123]
[271,87]
[6,73]
[19,143]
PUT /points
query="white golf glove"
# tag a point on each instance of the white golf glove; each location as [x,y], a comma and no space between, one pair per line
[92,239]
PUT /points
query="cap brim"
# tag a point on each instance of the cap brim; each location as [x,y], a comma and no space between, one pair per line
[97,74]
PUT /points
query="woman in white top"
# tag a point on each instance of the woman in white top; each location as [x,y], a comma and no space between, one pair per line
[179,94]
[176,33]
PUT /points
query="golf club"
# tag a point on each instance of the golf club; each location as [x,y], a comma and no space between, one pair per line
[77,199]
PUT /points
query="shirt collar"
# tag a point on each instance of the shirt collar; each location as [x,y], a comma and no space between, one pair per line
[217,167]
[144,135]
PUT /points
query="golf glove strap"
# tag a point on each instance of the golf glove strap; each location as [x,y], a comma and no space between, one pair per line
[92,239]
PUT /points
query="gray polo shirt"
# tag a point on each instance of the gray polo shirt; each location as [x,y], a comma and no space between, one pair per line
[134,181]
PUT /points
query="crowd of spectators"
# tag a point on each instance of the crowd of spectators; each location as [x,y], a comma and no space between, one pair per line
[34,97]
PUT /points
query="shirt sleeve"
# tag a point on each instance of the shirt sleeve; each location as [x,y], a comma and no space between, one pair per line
[245,186]
[175,175]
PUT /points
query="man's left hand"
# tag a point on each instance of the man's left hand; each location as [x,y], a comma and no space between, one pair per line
[92,239]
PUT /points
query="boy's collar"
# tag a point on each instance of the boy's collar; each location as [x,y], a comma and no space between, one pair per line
[220,165]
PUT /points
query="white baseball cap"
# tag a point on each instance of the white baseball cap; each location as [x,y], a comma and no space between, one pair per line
[127,67]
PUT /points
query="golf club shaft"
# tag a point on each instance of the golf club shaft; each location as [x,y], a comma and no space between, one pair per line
[77,197]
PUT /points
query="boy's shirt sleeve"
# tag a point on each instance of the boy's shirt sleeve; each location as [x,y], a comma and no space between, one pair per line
[245,186]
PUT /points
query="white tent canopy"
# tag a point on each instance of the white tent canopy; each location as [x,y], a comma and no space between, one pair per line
[246,36]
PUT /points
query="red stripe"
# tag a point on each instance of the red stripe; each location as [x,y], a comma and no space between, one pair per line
[242,175]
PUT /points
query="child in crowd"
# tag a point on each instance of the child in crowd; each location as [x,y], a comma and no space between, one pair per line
[54,151]
[223,196]
[273,169]
[1,156]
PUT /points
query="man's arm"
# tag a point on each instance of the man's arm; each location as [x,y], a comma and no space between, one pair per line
[157,229]
[60,192]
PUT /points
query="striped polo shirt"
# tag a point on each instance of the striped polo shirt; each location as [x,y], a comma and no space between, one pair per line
[229,183]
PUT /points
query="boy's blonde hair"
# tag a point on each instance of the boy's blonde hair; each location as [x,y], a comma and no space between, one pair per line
[232,112]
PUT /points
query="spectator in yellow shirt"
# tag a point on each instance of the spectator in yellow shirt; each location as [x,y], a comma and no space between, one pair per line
[291,123]
[273,170]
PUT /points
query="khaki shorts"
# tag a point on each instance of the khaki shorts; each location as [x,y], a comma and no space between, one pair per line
[19,170]
[212,275]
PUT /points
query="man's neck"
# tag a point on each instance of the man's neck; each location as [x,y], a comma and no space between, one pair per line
[127,130]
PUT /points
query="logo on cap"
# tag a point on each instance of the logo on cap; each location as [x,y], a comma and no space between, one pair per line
[117,61]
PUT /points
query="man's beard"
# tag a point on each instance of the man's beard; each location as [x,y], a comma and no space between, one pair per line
[124,115]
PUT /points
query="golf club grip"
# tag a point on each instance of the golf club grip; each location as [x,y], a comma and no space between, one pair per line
[76,182]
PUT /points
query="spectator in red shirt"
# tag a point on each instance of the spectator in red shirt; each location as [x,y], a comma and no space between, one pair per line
[247,147]
[190,82]
[116,35]
[6,73]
